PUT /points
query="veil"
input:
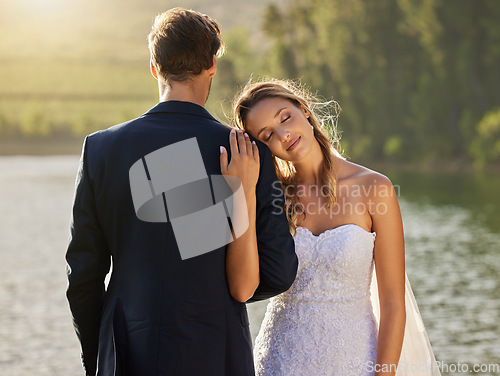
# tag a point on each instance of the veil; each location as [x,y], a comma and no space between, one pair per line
[417,357]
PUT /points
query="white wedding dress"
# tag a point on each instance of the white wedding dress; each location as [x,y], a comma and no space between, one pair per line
[326,324]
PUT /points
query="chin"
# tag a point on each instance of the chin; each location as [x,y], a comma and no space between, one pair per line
[297,155]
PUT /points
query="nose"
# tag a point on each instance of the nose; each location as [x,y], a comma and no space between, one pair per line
[284,135]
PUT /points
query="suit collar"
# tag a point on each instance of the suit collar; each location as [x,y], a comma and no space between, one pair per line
[181,107]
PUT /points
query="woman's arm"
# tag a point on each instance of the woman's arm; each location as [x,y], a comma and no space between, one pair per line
[278,262]
[242,258]
[390,267]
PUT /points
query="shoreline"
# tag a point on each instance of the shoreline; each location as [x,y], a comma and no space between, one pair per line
[73,146]
[447,167]
[41,147]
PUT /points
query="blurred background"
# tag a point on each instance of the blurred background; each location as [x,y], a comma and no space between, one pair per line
[419,86]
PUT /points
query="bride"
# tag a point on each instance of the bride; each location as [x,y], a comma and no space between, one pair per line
[339,317]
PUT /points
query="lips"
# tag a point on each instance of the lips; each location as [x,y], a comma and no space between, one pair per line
[293,144]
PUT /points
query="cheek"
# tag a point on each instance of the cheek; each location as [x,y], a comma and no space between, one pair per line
[310,129]
[307,124]
[274,147]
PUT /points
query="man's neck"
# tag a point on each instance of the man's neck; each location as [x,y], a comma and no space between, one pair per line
[189,91]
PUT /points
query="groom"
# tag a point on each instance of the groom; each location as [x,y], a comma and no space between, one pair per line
[167,309]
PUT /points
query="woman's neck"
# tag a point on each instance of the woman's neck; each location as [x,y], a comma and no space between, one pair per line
[308,170]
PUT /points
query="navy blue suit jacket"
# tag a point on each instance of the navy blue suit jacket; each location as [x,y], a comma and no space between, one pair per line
[161,315]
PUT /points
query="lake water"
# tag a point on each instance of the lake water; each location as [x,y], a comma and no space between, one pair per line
[452,230]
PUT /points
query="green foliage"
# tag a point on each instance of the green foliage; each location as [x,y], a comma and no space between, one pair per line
[5,127]
[84,64]
[417,80]
[413,77]
[34,123]
[486,145]
[83,124]
[393,146]
[59,98]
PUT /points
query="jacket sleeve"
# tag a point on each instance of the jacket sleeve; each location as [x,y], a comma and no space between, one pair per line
[277,259]
[88,262]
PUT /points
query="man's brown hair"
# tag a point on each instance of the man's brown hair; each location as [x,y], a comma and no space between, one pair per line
[182,43]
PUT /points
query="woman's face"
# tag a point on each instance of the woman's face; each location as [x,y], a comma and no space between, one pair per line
[282,126]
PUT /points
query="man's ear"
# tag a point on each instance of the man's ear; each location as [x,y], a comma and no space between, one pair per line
[213,69]
[153,69]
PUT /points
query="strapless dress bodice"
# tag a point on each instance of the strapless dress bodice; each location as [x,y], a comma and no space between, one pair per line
[324,324]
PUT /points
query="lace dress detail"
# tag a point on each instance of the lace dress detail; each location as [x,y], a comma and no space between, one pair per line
[324,324]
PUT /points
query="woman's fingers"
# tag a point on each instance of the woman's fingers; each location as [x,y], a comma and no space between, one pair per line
[223,159]
[244,163]
[241,148]
[233,143]
[248,145]
[255,151]
[242,143]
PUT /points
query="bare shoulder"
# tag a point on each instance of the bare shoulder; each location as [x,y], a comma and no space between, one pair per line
[373,186]
[353,173]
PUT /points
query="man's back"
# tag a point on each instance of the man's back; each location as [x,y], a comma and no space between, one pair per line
[160,315]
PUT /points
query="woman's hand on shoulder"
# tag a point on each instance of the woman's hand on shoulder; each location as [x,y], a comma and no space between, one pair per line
[245,162]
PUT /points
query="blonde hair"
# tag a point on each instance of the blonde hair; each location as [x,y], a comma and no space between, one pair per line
[323,118]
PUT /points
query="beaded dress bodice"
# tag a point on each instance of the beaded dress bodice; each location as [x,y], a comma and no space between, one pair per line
[324,324]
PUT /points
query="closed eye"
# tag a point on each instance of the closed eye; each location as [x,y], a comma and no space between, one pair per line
[285,119]
[269,137]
